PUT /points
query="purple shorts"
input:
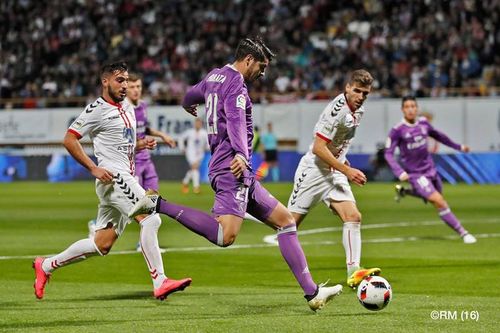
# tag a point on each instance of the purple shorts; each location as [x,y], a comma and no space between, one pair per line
[145,173]
[233,197]
[425,185]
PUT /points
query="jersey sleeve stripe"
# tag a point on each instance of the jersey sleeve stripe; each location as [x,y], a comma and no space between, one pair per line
[78,135]
[319,135]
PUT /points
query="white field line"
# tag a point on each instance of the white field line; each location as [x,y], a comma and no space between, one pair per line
[271,239]
[270,242]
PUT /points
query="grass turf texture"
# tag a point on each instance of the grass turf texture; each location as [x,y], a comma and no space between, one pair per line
[249,289]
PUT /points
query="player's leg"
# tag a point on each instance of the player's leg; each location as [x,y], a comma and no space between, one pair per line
[430,188]
[163,286]
[148,179]
[266,208]
[351,240]
[105,236]
[230,204]
[127,191]
[186,180]
[195,172]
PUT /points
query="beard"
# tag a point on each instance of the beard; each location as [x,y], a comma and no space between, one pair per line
[115,97]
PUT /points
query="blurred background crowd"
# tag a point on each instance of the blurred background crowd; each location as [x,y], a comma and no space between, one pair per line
[51,52]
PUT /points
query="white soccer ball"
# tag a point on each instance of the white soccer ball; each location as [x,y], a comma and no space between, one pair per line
[374,293]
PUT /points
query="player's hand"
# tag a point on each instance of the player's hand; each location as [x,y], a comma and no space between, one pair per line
[465,148]
[149,143]
[356,176]
[102,174]
[192,109]
[238,165]
[169,141]
[403,177]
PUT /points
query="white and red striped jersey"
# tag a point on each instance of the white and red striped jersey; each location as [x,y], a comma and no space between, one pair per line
[337,126]
[111,127]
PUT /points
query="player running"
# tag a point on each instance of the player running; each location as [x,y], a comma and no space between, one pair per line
[230,133]
[324,173]
[110,123]
[145,171]
[410,136]
[194,143]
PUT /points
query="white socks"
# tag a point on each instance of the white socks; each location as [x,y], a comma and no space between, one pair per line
[77,251]
[196,178]
[151,249]
[187,178]
[351,238]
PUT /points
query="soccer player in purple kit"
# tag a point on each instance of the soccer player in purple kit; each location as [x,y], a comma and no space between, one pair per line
[230,131]
[417,166]
[145,170]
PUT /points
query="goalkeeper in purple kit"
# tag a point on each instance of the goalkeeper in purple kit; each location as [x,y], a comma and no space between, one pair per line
[417,166]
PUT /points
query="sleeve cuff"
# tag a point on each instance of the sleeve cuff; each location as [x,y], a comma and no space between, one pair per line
[78,135]
[321,136]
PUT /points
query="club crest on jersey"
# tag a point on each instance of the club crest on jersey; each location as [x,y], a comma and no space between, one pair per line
[128,134]
[241,102]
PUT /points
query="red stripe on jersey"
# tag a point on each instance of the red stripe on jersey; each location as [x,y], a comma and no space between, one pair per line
[319,135]
[78,135]
[118,105]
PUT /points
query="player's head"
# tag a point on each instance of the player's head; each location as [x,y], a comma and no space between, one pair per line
[409,108]
[252,58]
[198,124]
[114,80]
[358,87]
[134,91]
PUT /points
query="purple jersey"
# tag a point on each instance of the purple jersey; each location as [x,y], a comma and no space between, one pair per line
[229,116]
[142,123]
[411,139]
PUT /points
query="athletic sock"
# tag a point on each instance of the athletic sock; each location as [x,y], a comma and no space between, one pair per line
[450,219]
[150,248]
[196,178]
[351,239]
[294,256]
[79,250]
[187,178]
[197,221]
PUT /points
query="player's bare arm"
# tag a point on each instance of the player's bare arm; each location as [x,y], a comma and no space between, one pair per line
[74,147]
[146,143]
[321,150]
[165,137]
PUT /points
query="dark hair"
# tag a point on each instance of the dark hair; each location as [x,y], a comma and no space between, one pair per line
[361,77]
[132,77]
[254,47]
[110,68]
[408,98]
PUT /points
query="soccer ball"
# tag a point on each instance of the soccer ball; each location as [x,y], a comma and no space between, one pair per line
[374,293]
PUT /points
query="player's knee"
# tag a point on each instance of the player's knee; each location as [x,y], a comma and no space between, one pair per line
[229,239]
[104,248]
[352,217]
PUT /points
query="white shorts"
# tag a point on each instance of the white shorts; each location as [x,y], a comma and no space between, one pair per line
[116,200]
[312,185]
[193,158]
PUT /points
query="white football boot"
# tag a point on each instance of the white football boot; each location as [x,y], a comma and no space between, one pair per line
[469,239]
[145,205]
[324,295]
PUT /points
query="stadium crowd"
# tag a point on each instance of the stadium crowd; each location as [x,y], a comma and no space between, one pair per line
[424,47]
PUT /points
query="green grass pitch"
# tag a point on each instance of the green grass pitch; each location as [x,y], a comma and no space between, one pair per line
[249,288]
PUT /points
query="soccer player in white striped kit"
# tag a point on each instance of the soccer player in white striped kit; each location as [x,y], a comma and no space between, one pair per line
[110,123]
[324,173]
